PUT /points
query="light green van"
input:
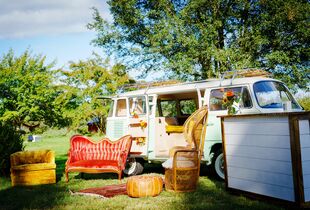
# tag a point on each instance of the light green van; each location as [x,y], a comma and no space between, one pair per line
[154,115]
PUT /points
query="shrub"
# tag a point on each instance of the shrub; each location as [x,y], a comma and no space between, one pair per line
[83,129]
[10,141]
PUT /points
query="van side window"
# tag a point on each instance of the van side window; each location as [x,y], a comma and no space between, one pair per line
[137,105]
[111,109]
[188,106]
[216,97]
[169,108]
[121,109]
[246,101]
[151,104]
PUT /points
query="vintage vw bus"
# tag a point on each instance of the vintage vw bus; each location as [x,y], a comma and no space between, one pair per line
[154,115]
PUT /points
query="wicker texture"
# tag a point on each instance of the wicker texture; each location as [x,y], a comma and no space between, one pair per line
[184,174]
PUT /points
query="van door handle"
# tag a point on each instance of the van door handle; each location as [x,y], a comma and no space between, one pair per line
[210,124]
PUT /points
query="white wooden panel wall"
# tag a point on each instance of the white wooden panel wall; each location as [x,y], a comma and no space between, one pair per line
[304,135]
[258,155]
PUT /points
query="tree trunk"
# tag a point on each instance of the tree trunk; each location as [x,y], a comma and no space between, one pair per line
[221,39]
[206,70]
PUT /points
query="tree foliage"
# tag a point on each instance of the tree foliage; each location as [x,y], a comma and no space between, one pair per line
[81,86]
[10,142]
[27,91]
[197,39]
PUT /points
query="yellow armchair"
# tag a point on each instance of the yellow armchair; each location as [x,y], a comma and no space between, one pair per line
[33,167]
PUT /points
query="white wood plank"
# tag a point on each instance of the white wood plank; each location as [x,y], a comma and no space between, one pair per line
[306,179]
[305,154]
[258,119]
[304,140]
[304,127]
[278,129]
[259,164]
[262,189]
[307,194]
[259,140]
[261,177]
[306,167]
[259,152]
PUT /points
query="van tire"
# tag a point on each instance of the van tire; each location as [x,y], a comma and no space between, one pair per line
[218,164]
[134,166]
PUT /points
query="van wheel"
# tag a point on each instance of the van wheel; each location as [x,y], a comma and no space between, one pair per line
[133,167]
[218,164]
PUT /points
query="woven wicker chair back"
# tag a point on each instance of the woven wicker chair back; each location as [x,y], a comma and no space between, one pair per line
[194,129]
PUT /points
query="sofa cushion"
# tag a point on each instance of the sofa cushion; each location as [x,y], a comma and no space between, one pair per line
[34,167]
[174,128]
[95,164]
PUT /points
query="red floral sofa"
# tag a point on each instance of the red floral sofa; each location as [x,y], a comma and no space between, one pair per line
[104,156]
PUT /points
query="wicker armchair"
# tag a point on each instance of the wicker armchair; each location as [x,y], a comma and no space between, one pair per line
[183,167]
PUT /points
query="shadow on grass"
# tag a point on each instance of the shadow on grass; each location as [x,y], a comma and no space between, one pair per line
[153,168]
[31,197]
[86,176]
[148,168]
[35,197]
[60,166]
[211,194]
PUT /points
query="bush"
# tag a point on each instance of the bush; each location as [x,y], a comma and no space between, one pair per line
[10,141]
[83,129]
[41,129]
[305,103]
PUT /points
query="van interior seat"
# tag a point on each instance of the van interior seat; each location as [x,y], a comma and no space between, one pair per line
[172,125]
[171,121]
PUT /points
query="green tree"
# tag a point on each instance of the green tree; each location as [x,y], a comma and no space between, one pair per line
[81,87]
[197,39]
[10,142]
[277,35]
[27,91]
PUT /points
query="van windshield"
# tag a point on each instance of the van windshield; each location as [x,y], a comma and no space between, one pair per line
[271,94]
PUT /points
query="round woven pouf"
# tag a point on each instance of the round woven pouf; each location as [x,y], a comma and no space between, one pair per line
[142,186]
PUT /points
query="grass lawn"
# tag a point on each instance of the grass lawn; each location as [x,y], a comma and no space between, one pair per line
[210,194]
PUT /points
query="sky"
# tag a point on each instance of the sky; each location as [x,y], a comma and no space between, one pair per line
[54,28]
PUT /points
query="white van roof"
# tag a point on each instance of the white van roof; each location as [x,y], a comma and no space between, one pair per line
[193,86]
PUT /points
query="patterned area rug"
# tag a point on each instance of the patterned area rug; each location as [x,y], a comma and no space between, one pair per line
[104,192]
